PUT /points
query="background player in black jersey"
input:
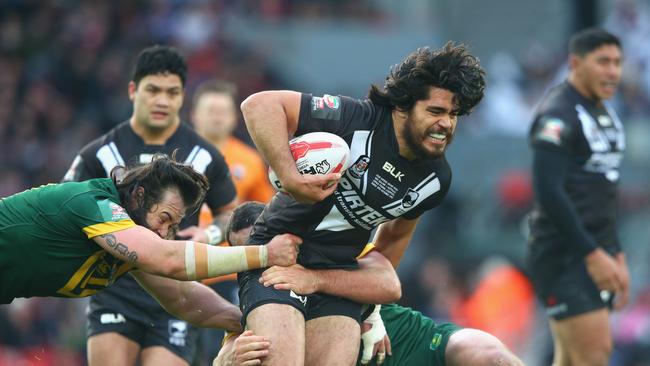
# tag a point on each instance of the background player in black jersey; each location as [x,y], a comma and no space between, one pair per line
[157,91]
[398,138]
[575,258]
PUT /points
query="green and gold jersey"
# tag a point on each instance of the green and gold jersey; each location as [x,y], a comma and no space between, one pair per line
[46,245]
[415,339]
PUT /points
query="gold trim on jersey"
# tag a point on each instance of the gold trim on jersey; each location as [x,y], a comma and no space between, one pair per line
[367,249]
[94,275]
[107,227]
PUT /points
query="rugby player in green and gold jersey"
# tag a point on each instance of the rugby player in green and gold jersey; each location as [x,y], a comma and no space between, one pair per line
[74,239]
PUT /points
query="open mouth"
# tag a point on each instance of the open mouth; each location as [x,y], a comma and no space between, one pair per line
[159,115]
[438,137]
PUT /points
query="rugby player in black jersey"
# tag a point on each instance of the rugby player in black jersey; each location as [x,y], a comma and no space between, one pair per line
[398,170]
[145,330]
[574,255]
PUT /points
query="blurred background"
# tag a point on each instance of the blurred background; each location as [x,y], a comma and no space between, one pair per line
[65,66]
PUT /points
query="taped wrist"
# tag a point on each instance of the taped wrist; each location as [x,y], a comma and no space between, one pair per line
[375,334]
[205,261]
[214,233]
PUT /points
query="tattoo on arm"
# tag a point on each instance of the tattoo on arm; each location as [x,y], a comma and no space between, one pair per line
[120,248]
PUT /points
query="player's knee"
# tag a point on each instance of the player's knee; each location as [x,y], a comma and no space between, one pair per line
[596,354]
[472,347]
[499,356]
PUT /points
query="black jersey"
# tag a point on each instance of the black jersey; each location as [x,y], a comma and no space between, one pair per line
[379,185]
[121,146]
[592,139]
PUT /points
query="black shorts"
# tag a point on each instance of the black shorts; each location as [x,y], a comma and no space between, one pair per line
[161,330]
[562,283]
[253,294]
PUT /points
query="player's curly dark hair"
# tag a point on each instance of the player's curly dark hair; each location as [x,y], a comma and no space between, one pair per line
[243,216]
[452,68]
[159,60]
[161,174]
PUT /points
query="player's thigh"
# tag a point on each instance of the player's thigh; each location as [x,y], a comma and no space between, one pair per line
[331,340]
[108,349]
[161,356]
[278,315]
[113,338]
[586,337]
[473,347]
[332,324]
[284,326]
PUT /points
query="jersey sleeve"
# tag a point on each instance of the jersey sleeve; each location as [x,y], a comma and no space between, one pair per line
[222,189]
[97,215]
[435,200]
[85,166]
[333,114]
[553,132]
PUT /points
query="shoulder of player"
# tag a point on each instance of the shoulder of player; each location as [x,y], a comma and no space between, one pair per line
[444,172]
[191,138]
[113,135]
[88,192]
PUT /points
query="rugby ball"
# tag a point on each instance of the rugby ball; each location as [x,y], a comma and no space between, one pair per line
[316,153]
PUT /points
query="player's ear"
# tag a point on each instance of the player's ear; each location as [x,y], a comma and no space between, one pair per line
[137,195]
[132,90]
[574,61]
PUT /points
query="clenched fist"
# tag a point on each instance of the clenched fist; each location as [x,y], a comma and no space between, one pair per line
[283,250]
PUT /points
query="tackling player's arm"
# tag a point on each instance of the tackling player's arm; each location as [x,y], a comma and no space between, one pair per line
[375,282]
[393,237]
[187,260]
[191,301]
[271,117]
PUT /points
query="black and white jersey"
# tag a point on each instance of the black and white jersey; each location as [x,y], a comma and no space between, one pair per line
[379,185]
[592,137]
[121,146]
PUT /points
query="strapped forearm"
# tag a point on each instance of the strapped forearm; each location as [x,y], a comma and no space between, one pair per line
[206,261]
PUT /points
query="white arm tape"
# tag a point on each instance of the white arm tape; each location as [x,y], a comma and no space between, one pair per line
[206,261]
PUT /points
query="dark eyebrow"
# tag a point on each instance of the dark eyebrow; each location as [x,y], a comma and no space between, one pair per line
[436,109]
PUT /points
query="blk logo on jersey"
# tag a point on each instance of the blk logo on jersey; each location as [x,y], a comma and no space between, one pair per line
[388,167]
[112,318]
[359,167]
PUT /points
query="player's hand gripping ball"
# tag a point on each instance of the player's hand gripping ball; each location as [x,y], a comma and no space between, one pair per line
[316,153]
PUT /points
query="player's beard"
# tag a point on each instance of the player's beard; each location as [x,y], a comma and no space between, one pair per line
[414,142]
[139,216]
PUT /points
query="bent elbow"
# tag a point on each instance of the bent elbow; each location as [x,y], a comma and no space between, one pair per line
[251,103]
[394,291]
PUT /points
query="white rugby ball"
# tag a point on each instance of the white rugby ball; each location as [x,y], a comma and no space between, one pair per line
[316,153]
